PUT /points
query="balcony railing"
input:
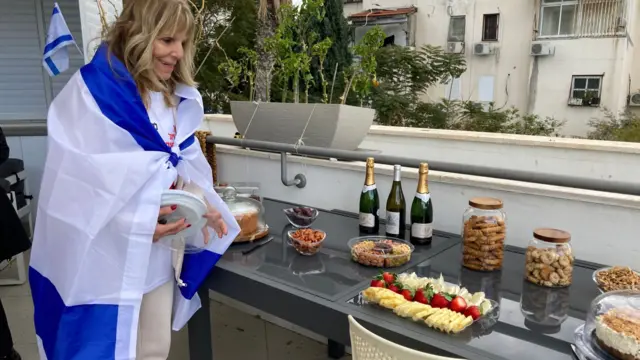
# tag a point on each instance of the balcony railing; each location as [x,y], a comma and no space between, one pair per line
[583,18]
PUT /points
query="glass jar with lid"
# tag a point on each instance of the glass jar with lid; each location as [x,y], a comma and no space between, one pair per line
[549,258]
[484,230]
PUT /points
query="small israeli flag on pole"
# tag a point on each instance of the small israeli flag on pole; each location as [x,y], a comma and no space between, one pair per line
[56,55]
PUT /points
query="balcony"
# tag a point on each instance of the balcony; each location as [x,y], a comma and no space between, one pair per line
[583,18]
[599,211]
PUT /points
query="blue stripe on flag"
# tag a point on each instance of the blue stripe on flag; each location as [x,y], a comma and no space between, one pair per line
[59,40]
[114,90]
[72,332]
[188,142]
[195,269]
[52,66]
[55,10]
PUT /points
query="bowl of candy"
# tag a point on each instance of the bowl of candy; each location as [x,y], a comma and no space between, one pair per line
[301,217]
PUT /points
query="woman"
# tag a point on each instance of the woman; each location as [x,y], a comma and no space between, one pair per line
[13,241]
[120,133]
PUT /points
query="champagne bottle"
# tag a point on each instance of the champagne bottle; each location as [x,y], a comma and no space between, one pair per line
[422,210]
[369,203]
[396,206]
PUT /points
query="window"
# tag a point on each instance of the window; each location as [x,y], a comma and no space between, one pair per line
[558,17]
[456,28]
[585,90]
[490,27]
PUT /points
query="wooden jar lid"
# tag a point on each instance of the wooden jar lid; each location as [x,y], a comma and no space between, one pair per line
[552,235]
[486,203]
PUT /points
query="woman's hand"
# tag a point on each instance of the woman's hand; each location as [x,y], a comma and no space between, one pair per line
[163,230]
[215,221]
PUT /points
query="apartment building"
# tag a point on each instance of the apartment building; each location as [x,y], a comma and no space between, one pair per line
[569,59]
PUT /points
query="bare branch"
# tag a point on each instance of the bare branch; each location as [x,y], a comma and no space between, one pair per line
[217,44]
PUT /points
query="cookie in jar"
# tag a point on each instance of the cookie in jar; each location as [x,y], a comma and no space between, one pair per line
[484,231]
[549,258]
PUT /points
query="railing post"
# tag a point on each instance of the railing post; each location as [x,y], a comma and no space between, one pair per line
[299,180]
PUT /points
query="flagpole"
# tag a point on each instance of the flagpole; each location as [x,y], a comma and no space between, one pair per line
[78,47]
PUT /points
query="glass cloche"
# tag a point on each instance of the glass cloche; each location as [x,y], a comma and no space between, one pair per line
[249,214]
[612,329]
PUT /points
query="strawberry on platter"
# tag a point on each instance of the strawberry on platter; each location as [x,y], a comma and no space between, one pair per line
[440,305]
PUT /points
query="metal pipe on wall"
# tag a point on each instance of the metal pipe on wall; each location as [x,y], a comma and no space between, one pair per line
[466,169]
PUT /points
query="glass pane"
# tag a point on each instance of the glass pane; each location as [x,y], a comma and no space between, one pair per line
[551,1]
[578,94]
[490,27]
[579,83]
[593,84]
[550,21]
[457,28]
[568,19]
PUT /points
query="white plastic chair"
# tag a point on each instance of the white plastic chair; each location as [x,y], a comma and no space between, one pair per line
[366,345]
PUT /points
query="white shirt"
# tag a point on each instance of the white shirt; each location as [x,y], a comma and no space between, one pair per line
[160,269]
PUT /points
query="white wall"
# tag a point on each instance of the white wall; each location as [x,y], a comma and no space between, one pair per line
[582,57]
[91,26]
[589,159]
[603,226]
[352,8]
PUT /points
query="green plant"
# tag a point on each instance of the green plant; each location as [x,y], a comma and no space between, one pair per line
[362,74]
[404,76]
[320,50]
[616,127]
[333,26]
[474,116]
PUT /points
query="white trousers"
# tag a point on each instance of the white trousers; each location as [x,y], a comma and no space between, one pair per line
[154,327]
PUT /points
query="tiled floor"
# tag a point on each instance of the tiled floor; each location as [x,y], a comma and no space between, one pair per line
[236,335]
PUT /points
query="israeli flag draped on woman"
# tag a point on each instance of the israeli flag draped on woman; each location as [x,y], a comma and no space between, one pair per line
[105,172]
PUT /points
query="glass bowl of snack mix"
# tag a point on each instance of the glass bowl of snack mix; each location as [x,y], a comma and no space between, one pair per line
[380,251]
[307,241]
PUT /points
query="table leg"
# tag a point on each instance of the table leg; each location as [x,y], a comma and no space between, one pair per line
[200,347]
[335,350]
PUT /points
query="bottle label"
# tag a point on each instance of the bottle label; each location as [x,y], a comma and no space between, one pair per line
[367,220]
[421,231]
[393,222]
[424,197]
[368,188]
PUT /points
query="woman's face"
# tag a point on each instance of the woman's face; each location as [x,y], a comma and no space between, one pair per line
[167,51]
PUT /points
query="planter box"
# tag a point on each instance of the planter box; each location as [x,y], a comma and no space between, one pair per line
[331,125]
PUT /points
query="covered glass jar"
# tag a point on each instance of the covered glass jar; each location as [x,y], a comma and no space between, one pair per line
[549,258]
[249,213]
[612,329]
[484,230]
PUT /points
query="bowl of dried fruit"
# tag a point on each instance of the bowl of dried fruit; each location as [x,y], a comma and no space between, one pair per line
[616,278]
[301,217]
[307,241]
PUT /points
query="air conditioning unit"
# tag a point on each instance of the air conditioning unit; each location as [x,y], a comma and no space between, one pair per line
[482,49]
[634,99]
[542,49]
[455,47]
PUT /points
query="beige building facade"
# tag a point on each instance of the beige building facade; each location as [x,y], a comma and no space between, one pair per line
[569,59]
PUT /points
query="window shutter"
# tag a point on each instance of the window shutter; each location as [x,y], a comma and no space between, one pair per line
[22,89]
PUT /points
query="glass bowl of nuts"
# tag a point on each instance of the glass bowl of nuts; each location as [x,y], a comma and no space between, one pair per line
[307,241]
[301,217]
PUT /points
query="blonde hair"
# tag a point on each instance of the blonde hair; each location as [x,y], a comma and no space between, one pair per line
[132,36]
